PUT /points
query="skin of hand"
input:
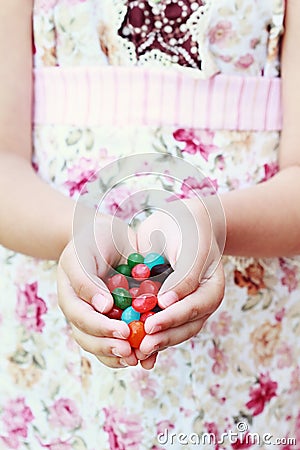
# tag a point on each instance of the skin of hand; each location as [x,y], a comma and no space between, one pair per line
[196,287]
[83,296]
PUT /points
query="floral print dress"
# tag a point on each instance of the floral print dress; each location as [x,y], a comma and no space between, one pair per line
[242,372]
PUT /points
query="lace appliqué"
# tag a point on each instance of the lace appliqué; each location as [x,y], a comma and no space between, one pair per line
[168,33]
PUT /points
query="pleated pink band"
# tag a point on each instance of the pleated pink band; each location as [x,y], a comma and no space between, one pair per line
[122,96]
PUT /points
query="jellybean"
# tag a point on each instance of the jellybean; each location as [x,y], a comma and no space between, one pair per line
[115,313]
[129,315]
[140,272]
[122,298]
[153,259]
[144,302]
[134,292]
[134,259]
[137,333]
[145,315]
[149,287]
[124,269]
[117,281]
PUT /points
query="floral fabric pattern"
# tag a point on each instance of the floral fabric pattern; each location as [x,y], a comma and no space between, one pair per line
[244,366]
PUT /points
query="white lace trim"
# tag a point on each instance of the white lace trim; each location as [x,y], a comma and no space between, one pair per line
[123,52]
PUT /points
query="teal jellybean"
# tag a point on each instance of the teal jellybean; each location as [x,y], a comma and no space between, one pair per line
[153,259]
[129,315]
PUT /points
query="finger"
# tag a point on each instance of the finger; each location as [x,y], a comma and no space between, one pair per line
[114,362]
[84,281]
[149,362]
[203,301]
[102,346]
[187,237]
[83,316]
[171,337]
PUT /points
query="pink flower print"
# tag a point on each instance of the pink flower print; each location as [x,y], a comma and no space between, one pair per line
[219,34]
[196,141]
[254,42]
[84,171]
[124,430]
[164,425]
[64,413]
[297,427]
[168,359]
[144,383]
[186,412]
[270,170]
[220,162]
[212,429]
[58,445]
[220,360]
[122,203]
[280,315]
[244,442]
[191,187]
[295,380]
[221,326]
[286,356]
[44,5]
[16,416]
[290,278]
[245,61]
[262,394]
[226,58]
[30,308]
[215,392]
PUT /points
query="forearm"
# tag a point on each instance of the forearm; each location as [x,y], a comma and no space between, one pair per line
[264,220]
[35,218]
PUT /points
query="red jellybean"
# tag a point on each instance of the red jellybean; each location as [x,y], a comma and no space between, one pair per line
[145,316]
[137,333]
[140,272]
[117,281]
[134,292]
[149,287]
[144,303]
[115,313]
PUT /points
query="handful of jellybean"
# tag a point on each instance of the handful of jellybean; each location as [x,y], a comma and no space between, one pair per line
[134,289]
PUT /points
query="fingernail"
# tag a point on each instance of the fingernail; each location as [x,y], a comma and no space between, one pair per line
[154,329]
[119,335]
[123,363]
[99,302]
[116,352]
[168,298]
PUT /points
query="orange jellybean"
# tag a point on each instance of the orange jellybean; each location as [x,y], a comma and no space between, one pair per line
[137,333]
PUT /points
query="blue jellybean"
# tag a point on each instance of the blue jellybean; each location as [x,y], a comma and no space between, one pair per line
[153,259]
[129,315]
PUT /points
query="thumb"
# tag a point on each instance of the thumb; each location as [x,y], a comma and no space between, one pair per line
[186,278]
[84,279]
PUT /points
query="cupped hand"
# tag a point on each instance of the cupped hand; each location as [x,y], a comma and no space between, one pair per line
[83,296]
[191,243]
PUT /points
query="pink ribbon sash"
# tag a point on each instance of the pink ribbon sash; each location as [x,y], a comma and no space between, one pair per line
[139,96]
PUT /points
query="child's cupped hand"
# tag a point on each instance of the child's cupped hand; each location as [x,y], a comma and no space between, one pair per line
[188,297]
[83,296]
[192,242]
